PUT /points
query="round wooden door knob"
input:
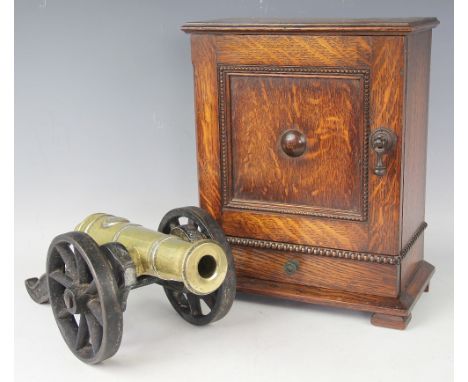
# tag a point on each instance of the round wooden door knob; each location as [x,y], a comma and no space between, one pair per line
[293,143]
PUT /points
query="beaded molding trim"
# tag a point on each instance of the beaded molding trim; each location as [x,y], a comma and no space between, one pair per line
[329,252]
[225,70]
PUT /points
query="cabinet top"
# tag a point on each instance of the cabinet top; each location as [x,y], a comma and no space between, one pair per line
[397,26]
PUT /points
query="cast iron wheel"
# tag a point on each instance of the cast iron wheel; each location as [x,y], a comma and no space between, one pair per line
[200,225]
[81,285]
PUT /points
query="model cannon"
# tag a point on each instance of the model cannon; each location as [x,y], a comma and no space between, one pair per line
[91,270]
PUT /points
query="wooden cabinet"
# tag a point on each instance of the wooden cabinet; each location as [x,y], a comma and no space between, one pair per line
[311,143]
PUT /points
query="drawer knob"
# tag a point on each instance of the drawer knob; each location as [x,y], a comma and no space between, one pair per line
[291,267]
[382,142]
[293,143]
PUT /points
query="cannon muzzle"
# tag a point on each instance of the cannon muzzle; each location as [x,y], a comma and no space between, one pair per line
[201,265]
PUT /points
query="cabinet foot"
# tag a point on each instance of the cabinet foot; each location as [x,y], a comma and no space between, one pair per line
[392,322]
[426,289]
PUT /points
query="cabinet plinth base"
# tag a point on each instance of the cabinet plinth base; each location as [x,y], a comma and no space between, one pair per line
[391,312]
[392,322]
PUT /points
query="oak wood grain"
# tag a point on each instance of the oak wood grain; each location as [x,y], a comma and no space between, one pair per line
[206,111]
[413,190]
[273,226]
[387,94]
[385,59]
[389,321]
[328,177]
[352,276]
[411,262]
[415,133]
[256,80]
[393,306]
[333,51]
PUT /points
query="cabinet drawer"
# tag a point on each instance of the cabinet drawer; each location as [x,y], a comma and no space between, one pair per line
[310,270]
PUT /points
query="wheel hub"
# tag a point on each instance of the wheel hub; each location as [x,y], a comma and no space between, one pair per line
[71,299]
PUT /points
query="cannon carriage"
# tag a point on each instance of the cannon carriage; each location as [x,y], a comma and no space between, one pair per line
[91,270]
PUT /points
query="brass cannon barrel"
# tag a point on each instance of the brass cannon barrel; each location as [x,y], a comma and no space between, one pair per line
[201,265]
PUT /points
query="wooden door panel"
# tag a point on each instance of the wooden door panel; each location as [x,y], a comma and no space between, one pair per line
[328,109]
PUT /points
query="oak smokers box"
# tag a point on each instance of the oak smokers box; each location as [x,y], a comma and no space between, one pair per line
[311,143]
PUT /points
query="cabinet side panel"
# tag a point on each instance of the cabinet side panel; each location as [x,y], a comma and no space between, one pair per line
[411,262]
[415,135]
[206,110]
[387,102]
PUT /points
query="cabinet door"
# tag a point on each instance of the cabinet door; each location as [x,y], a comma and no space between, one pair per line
[296,140]
[291,160]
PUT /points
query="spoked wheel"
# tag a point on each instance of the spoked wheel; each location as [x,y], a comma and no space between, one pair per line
[193,223]
[84,297]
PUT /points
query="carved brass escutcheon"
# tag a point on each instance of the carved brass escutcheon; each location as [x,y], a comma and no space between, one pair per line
[382,142]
